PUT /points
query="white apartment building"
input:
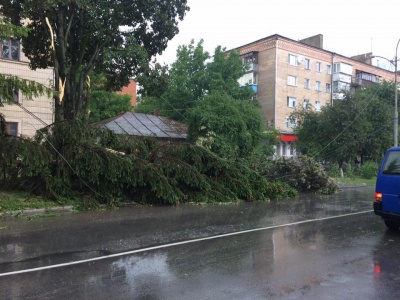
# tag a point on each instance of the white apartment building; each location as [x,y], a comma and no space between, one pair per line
[20,123]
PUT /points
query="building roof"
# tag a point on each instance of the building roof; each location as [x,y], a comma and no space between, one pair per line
[144,125]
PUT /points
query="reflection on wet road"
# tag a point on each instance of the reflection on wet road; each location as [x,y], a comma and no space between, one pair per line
[302,252]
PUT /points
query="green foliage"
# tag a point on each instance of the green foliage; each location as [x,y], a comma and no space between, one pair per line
[13,201]
[9,30]
[303,174]
[148,105]
[229,127]
[193,76]
[206,95]
[334,170]
[76,161]
[368,170]
[104,105]
[360,126]
[29,88]
[153,81]
[88,38]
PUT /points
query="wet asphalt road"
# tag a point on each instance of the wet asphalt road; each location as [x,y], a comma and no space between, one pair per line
[313,247]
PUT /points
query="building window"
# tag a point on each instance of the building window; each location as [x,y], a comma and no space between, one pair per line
[248,79]
[291,149]
[340,87]
[306,104]
[291,102]
[328,88]
[292,80]
[307,64]
[317,106]
[15,97]
[10,49]
[12,128]
[318,67]
[290,122]
[292,60]
[329,69]
[336,67]
[318,85]
[367,76]
[307,83]
[250,58]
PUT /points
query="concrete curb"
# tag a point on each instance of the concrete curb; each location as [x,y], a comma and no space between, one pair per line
[56,209]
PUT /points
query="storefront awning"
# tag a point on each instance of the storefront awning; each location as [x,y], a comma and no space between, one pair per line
[288,137]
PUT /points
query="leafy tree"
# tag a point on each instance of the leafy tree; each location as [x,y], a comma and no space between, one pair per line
[153,81]
[356,128]
[230,127]
[110,37]
[192,76]
[104,105]
[187,83]
[204,93]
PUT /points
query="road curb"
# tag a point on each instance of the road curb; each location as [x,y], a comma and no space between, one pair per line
[56,209]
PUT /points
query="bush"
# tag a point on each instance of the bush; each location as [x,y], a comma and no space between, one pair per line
[333,170]
[368,170]
[301,173]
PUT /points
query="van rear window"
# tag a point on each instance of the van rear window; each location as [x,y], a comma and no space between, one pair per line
[392,163]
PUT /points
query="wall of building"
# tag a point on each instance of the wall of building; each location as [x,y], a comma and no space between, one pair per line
[42,106]
[299,91]
[130,89]
[273,72]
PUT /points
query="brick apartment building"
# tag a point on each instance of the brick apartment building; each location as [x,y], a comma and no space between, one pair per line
[287,74]
[13,62]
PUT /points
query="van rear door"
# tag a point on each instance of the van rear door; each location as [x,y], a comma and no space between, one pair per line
[388,182]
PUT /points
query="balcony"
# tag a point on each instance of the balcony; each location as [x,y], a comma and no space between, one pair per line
[254,87]
[252,67]
[356,82]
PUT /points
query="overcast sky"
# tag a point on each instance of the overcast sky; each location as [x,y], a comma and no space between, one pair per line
[349,27]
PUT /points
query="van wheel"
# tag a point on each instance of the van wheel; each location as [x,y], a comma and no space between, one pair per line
[392,225]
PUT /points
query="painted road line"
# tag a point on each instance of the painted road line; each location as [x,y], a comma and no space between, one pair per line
[175,244]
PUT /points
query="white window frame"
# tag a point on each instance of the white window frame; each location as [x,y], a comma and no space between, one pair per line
[307,64]
[10,43]
[306,104]
[292,80]
[291,101]
[292,60]
[328,88]
[307,83]
[317,105]
[290,123]
[329,69]
[336,67]
[318,86]
[318,67]
[15,97]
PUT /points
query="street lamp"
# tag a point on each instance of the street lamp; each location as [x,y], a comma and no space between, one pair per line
[396,113]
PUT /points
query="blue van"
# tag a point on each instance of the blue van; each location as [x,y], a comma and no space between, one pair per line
[387,190]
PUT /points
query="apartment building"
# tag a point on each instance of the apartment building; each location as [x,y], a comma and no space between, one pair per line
[19,122]
[286,75]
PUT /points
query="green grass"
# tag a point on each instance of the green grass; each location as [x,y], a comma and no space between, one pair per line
[16,201]
[355,181]
[19,201]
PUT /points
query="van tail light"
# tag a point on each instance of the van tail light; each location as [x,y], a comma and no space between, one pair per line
[378,196]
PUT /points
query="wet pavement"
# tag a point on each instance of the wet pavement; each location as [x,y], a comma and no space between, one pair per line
[325,247]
